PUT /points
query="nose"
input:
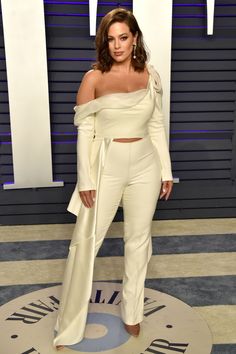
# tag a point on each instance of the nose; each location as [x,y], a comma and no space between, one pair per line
[117,43]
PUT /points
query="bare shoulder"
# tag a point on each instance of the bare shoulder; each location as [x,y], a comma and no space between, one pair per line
[88,86]
[92,76]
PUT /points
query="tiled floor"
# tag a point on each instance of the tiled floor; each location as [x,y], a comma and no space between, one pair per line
[193,260]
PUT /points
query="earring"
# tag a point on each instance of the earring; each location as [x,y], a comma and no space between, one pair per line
[134,52]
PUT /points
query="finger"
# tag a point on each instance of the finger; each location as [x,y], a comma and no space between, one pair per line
[166,189]
[163,189]
[89,199]
[93,195]
[167,195]
[84,198]
[170,186]
[162,194]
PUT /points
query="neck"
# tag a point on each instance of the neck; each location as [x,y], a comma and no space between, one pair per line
[124,67]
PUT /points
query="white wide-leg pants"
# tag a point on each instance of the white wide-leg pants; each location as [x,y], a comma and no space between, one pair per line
[132,172]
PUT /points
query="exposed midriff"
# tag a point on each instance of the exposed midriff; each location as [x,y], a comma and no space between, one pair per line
[126,140]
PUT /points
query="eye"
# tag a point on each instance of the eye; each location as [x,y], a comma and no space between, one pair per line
[124,38]
[109,39]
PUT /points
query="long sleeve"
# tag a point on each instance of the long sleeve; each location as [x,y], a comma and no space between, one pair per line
[157,131]
[84,141]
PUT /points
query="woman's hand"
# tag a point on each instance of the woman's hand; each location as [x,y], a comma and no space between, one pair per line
[166,189]
[88,197]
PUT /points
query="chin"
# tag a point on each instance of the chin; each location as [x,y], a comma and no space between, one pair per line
[120,59]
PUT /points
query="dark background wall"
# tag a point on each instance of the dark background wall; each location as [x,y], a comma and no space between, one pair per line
[203,94]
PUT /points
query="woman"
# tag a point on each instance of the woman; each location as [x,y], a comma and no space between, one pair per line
[122,157]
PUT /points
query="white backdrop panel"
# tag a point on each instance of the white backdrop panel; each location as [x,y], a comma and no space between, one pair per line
[26,63]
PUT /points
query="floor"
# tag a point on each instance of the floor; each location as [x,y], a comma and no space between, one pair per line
[193,260]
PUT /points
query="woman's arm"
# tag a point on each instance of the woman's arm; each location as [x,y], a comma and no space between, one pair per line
[86,186]
[84,141]
[158,136]
[157,133]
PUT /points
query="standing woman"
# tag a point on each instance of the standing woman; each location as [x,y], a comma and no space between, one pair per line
[123,158]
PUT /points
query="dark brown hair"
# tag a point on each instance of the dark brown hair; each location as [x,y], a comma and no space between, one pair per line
[104,60]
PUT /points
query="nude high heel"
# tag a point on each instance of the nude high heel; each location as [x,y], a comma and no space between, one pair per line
[59,347]
[133,329]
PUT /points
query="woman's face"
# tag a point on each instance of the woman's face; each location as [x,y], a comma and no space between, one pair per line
[120,42]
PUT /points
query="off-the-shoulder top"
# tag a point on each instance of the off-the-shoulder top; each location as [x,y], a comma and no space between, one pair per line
[130,121]
[119,115]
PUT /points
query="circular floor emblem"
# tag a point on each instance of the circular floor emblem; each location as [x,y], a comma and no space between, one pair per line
[106,341]
[169,326]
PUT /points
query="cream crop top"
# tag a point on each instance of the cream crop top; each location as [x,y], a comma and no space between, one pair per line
[122,115]
[125,122]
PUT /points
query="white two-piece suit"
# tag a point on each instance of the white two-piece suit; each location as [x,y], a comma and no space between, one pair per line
[127,173]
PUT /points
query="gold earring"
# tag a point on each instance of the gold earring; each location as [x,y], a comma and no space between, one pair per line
[134,52]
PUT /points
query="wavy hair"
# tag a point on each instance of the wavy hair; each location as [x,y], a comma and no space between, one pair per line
[104,60]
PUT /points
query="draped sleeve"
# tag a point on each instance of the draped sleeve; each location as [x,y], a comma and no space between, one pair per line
[156,127]
[156,80]
[85,126]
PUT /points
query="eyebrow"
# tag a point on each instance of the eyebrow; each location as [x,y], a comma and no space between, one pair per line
[122,34]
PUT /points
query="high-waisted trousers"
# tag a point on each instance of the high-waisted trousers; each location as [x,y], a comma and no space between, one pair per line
[132,173]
